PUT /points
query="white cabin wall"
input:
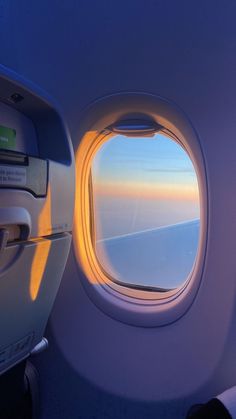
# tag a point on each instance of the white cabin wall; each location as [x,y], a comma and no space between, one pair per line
[184,51]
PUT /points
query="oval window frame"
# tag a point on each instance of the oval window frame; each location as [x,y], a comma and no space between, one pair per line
[131,305]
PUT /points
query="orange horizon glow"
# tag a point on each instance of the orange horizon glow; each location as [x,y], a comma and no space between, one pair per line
[143,190]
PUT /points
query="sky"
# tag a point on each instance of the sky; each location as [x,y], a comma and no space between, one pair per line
[141,184]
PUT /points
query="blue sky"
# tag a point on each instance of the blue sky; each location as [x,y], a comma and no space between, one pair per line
[145,159]
[142,183]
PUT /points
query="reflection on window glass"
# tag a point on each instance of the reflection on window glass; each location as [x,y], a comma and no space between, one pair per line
[146,211]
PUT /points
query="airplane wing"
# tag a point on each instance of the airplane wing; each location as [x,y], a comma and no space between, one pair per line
[159,258]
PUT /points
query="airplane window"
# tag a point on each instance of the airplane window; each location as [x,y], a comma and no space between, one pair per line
[146,211]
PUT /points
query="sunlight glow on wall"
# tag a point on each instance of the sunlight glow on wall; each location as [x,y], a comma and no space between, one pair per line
[42,249]
[45,217]
[82,236]
[38,266]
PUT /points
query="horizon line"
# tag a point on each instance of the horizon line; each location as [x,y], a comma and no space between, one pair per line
[193,221]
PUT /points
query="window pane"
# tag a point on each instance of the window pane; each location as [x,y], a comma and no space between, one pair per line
[146,211]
